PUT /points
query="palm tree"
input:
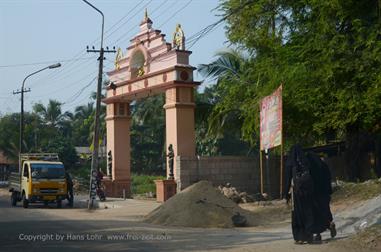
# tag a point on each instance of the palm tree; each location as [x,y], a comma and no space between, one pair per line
[82,120]
[149,109]
[229,65]
[224,119]
[57,123]
[83,112]
[51,115]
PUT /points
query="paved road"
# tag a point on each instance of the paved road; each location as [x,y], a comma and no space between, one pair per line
[41,228]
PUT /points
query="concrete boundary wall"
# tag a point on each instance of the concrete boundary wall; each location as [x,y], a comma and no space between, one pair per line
[241,172]
[244,172]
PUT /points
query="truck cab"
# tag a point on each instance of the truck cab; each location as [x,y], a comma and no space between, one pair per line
[41,179]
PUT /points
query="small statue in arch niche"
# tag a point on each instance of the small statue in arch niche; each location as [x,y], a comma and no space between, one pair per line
[170,156]
[178,38]
[140,71]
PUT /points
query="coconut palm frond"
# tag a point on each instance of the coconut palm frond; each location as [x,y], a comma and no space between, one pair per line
[229,62]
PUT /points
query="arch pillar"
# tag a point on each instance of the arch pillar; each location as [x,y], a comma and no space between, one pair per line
[180,126]
[118,121]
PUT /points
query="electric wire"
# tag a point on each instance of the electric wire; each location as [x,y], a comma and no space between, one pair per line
[176,13]
[76,95]
[66,86]
[43,62]
[83,52]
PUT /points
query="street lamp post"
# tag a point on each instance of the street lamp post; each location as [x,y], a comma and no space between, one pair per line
[22,91]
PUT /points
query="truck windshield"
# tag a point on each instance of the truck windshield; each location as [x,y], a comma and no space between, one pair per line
[49,171]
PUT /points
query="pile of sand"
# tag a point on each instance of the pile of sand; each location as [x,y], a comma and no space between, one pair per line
[200,205]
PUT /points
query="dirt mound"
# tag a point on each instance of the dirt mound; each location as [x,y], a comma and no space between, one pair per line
[200,205]
[368,239]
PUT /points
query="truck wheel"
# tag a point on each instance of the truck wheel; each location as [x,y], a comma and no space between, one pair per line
[25,202]
[59,203]
[14,199]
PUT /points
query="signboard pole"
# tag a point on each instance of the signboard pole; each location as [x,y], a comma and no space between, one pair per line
[260,154]
[281,145]
[281,169]
[261,169]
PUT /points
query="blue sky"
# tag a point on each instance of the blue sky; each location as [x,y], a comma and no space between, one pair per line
[34,31]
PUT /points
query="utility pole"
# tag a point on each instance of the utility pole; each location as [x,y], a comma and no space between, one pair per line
[22,91]
[94,159]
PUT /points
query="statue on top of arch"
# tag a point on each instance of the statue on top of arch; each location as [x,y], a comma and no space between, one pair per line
[119,56]
[178,38]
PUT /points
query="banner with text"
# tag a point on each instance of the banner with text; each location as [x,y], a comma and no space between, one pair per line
[271,120]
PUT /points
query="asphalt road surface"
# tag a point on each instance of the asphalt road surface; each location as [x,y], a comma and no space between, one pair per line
[40,228]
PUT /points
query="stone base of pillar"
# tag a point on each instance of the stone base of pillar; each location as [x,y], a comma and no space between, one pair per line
[117,188]
[165,189]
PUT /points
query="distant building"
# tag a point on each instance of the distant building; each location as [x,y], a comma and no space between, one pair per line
[84,153]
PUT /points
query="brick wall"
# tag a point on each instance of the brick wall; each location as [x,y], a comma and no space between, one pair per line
[242,172]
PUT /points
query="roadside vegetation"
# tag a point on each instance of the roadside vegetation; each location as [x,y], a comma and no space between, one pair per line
[357,191]
[141,184]
[144,184]
[368,239]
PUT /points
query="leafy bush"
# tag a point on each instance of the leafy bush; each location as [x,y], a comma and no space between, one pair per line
[143,183]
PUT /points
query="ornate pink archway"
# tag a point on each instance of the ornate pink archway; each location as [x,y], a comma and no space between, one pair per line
[150,66]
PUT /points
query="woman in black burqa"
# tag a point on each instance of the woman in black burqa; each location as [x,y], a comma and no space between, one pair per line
[309,184]
[300,185]
[322,196]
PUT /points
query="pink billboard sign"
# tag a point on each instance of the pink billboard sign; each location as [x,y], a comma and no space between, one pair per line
[271,120]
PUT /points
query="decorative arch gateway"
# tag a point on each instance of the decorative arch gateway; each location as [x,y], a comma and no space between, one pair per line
[150,66]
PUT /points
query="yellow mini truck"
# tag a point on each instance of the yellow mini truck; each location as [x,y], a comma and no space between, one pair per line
[41,179]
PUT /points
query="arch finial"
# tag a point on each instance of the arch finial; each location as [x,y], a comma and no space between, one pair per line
[146,15]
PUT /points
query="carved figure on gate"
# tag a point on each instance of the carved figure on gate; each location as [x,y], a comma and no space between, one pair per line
[170,156]
[118,57]
[178,38]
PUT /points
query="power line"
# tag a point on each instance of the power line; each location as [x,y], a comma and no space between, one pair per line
[126,33]
[76,95]
[202,33]
[43,62]
[71,67]
[127,19]
[64,75]
[63,69]
[177,12]
[66,86]
[75,66]
[171,16]
[82,52]
[166,10]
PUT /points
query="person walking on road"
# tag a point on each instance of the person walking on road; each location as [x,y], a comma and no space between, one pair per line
[300,185]
[322,196]
[309,184]
[70,191]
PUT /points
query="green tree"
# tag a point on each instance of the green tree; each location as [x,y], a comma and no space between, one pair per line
[51,114]
[148,135]
[326,54]
[9,135]
[65,150]
[82,122]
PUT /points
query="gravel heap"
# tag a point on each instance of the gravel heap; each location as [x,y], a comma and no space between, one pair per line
[232,193]
[200,205]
